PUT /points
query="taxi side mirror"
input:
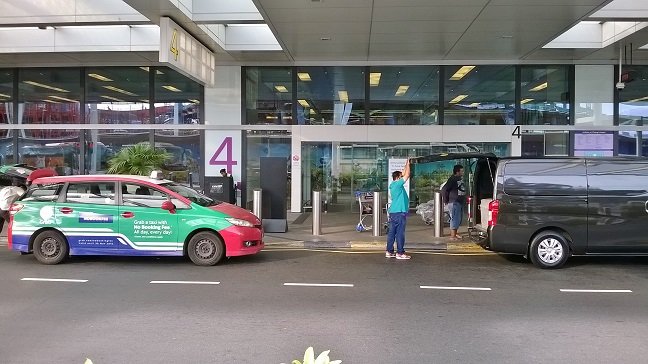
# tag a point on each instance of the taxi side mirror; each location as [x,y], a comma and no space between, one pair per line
[169,206]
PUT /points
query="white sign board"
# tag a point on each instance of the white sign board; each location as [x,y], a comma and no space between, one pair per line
[184,53]
[393,166]
[223,150]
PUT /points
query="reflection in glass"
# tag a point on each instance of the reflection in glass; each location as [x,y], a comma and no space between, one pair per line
[177,102]
[404,95]
[594,95]
[330,95]
[6,115]
[628,143]
[556,143]
[103,145]
[264,144]
[479,95]
[50,96]
[268,95]
[633,100]
[544,95]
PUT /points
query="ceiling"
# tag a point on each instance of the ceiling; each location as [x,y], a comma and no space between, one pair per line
[432,30]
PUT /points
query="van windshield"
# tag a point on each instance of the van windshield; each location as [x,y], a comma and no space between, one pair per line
[193,195]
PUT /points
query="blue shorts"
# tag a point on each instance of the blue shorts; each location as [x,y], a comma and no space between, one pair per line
[456,215]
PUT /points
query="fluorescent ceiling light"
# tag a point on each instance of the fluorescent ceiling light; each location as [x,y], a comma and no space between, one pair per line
[303,103]
[171,88]
[112,98]
[374,78]
[99,77]
[52,101]
[281,88]
[4,95]
[144,101]
[637,100]
[195,101]
[312,111]
[344,96]
[461,72]
[458,99]
[402,89]
[45,86]
[116,89]
[304,76]
[541,86]
[271,117]
[474,104]
[62,98]
[157,72]
[525,101]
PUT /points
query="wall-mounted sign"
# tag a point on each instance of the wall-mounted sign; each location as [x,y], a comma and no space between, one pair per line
[593,144]
[223,151]
[182,52]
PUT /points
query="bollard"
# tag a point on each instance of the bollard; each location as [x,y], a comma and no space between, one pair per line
[438,215]
[317,213]
[377,214]
[256,203]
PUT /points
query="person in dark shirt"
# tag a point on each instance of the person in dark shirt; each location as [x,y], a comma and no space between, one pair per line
[454,195]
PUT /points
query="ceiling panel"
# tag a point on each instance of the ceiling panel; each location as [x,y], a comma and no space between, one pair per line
[323,28]
[541,12]
[415,38]
[434,3]
[426,13]
[319,15]
[406,27]
[547,2]
[304,4]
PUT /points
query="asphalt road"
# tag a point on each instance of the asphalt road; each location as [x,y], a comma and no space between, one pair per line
[505,312]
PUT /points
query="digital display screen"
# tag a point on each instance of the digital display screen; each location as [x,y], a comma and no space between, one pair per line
[594,144]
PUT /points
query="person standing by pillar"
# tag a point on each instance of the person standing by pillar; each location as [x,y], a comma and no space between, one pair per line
[454,195]
[398,214]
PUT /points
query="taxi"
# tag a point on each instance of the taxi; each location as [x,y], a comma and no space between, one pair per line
[61,216]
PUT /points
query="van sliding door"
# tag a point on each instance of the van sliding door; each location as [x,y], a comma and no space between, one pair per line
[618,207]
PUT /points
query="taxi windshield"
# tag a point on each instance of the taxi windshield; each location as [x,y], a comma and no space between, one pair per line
[191,194]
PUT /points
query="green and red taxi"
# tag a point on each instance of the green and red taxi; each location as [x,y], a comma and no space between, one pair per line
[128,215]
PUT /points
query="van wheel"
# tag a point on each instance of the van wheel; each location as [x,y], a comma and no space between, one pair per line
[205,249]
[50,247]
[549,249]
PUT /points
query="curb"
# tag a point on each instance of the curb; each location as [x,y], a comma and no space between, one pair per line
[457,248]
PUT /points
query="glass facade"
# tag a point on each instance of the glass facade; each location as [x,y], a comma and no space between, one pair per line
[264,144]
[479,95]
[115,99]
[269,94]
[633,100]
[330,95]
[544,95]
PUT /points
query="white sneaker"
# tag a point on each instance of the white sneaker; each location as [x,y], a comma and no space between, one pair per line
[390,255]
[403,256]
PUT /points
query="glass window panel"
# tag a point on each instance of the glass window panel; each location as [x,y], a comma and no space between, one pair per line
[544,95]
[594,97]
[557,143]
[633,100]
[628,143]
[533,144]
[265,144]
[330,95]
[404,95]
[103,144]
[479,95]
[117,95]
[268,95]
[177,102]
[6,115]
[50,96]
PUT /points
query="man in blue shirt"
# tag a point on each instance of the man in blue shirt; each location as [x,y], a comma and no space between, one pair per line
[398,214]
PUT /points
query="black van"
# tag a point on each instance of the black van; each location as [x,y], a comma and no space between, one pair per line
[548,209]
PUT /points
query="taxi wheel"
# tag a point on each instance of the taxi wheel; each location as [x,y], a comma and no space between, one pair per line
[206,249]
[50,247]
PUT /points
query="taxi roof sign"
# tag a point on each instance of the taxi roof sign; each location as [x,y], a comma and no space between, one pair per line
[156,175]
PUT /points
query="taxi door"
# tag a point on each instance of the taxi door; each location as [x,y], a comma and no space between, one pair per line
[88,217]
[144,226]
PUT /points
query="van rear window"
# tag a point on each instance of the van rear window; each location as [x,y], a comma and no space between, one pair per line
[564,178]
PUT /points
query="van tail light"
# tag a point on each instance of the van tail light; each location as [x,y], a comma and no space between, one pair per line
[15,208]
[470,210]
[10,233]
[493,212]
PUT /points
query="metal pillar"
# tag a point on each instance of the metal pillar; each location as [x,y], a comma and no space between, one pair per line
[256,202]
[377,214]
[317,213]
[438,215]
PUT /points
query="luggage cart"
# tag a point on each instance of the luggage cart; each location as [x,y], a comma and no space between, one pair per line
[365,202]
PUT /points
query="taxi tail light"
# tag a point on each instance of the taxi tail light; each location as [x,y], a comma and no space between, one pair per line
[493,212]
[15,208]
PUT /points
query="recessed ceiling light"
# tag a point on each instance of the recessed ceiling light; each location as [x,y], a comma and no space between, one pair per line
[281,88]
[99,77]
[402,90]
[33,83]
[195,101]
[171,88]
[374,78]
[344,96]
[62,98]
[325,38]
[303,103]
[303,76]
[461,72]
[4,95]
[52,101]
[525,101]
[541,86]
[458,99]
[112,98]
[474,104]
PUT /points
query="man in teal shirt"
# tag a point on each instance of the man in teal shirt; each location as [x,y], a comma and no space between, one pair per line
[398,214]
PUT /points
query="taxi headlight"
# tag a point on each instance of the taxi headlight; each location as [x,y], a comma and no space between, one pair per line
[239,222]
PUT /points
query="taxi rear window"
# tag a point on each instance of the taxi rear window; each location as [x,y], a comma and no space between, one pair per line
[46,193]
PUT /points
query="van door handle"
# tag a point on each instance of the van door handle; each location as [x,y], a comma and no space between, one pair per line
[128,214]
[67,210]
